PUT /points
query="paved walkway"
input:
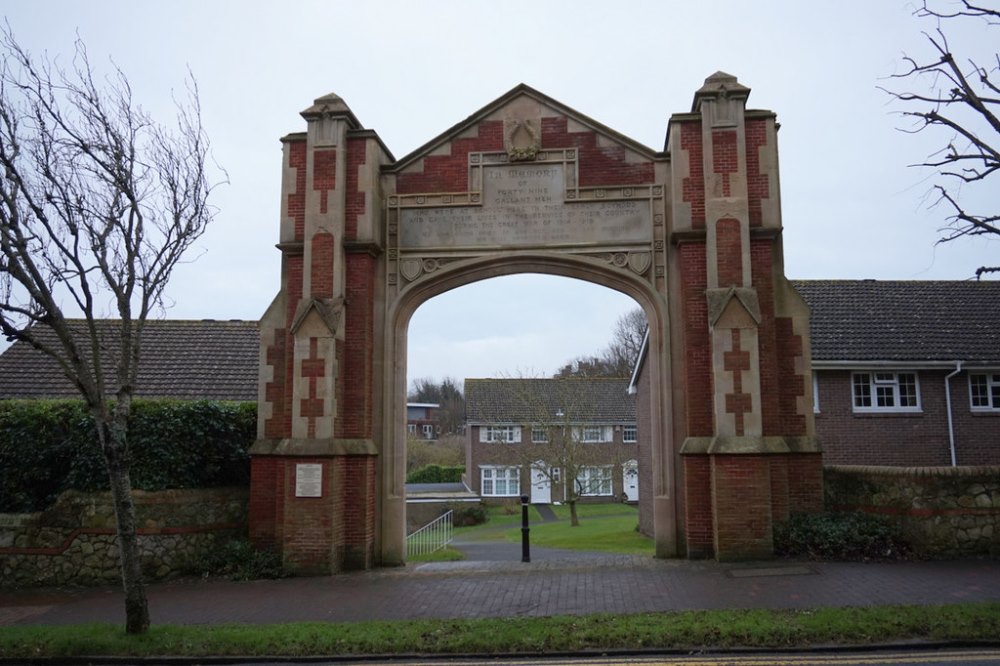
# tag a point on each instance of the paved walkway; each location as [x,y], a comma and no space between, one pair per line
[476,589]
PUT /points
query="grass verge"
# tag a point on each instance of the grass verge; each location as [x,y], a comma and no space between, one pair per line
[697,629]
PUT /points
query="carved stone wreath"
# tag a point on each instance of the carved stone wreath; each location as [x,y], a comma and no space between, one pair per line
[521,139]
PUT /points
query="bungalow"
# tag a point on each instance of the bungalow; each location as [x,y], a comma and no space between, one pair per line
[551,439]
[905,373]
[183,359]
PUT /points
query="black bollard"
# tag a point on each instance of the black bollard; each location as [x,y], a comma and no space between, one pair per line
[525,544]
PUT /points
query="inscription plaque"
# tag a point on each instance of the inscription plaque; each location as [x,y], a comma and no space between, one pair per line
[523,205]
[308,480]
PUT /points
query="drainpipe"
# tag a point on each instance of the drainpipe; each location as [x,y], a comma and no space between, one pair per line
[947,402]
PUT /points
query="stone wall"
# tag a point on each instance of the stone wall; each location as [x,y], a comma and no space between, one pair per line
[74,542]
[943,511]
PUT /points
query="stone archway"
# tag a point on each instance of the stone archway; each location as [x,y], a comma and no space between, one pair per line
[507,263]
[528,185]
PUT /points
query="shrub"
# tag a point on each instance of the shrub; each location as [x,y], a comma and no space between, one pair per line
[239,560]
[436,474]
[465,515]
[840,536]
[49,446]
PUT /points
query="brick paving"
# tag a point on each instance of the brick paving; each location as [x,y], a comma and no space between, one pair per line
[554,586]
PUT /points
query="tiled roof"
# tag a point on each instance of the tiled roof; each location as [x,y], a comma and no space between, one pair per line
[581,400]
[912,321]
[190,360]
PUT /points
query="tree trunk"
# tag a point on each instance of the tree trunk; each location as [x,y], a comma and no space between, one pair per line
[574,520]
[116,456]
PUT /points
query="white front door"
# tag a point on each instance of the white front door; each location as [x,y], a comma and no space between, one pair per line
[630,480]
[541,487]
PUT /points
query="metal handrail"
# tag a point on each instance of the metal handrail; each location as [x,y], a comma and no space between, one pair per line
[433,536]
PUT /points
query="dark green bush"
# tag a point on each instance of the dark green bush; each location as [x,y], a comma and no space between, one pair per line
[49,446]
[436,474]
[239,560]
[840,536]
[464,515]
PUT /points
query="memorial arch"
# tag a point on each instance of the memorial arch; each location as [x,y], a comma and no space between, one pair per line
[528,185]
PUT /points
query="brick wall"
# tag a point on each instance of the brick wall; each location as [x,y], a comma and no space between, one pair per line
[905,439]
[771,390]
[693,187]
[450,173]
[599,164]
[354,417]
[698,523]
[697,358]
[758,183]
[356,506]
[741,502]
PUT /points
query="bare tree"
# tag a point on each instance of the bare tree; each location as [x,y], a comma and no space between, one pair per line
[448,396]
[619,357]
[98,202]
[959,96]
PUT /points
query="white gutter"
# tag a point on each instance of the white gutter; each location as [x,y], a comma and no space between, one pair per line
[947,402]
[862,365]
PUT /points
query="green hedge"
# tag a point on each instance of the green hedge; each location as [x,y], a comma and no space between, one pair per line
[49,446]
[436,474]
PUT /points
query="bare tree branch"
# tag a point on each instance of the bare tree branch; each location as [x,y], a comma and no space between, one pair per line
[962,102]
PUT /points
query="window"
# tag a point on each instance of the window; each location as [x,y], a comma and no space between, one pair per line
[591,434]
[428,431]
[555,474]
[412,428]
[501,481]
[984,390]
[500,434]
[630,434]
[539,435]
[591,481]
[885,392]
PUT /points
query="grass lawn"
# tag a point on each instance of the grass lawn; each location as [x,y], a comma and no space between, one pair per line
[603,528]
[688,630]
[597,531]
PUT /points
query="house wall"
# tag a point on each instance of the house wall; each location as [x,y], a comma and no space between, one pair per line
[74,541]
[500,453]
[905,439]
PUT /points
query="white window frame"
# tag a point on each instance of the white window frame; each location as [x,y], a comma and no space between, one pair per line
[499,481]
[595,481]
[594,434]
[992,386]
[634,430]
[815,383]
[886,386]
[505,434]
[428,431]
[539,435]
[411,428]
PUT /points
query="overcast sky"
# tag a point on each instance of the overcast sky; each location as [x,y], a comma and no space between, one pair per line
[409,70]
